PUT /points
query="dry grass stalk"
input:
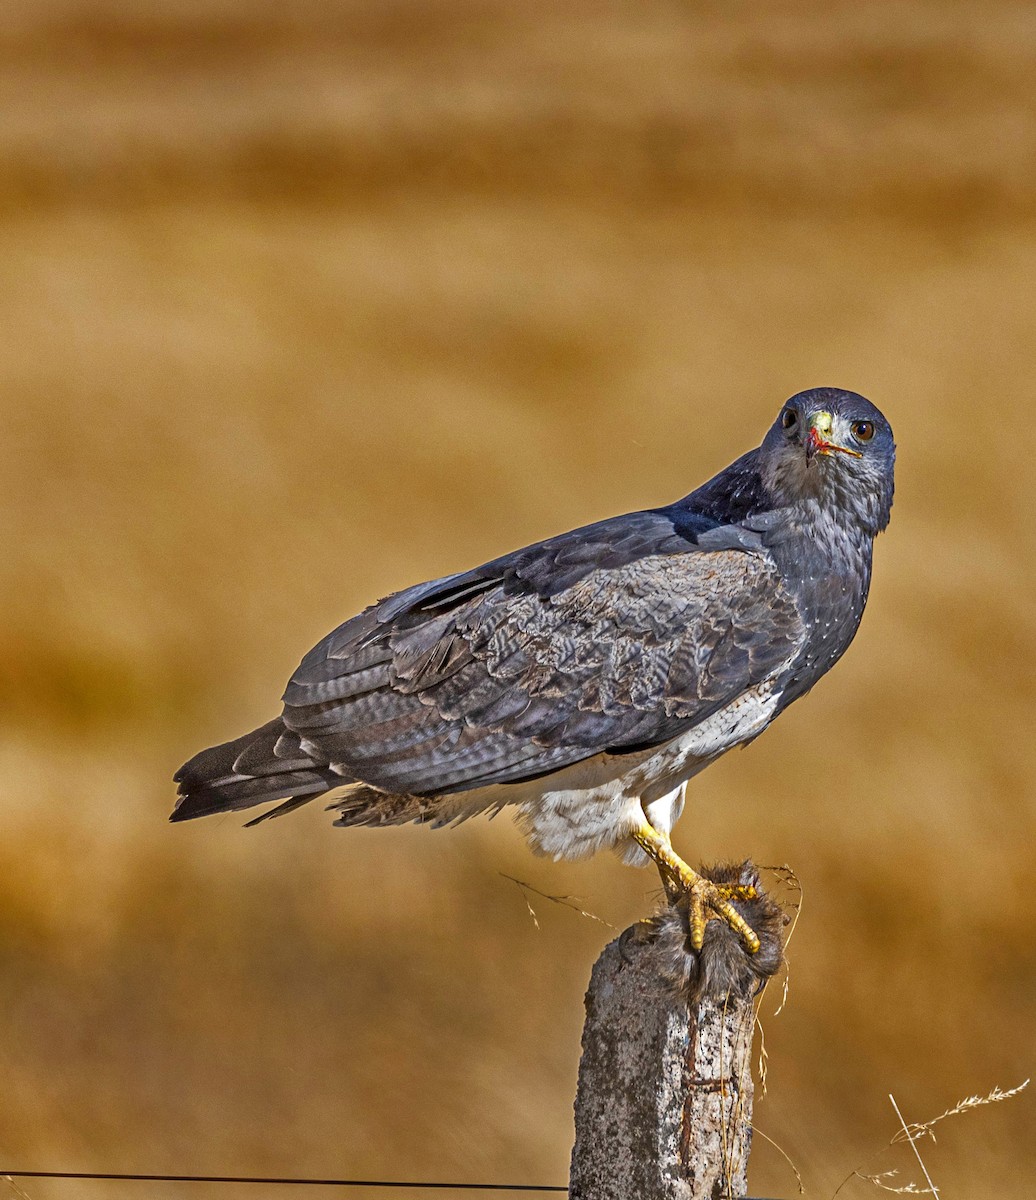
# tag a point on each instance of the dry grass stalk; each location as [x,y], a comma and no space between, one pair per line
[924,1129]
[914,1131]
[18,1191]
[764,1058]
[564,901]
[757,1132]
[913,1146]
[785,875]
[907,1189]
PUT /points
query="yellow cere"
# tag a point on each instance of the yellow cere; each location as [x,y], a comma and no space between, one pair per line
[821,422]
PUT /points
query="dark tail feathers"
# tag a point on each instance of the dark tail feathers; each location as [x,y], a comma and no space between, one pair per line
[266,764]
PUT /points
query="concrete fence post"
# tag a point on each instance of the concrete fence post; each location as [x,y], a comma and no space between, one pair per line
[664,1103]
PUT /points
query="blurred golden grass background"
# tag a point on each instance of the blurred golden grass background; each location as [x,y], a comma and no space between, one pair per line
[305,303]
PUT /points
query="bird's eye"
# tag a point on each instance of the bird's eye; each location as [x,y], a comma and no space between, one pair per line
[789,418]
[863,431]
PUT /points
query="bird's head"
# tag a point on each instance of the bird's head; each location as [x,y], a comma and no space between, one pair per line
[836,448]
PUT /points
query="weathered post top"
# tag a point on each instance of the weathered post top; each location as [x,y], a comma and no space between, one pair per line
[664,1104]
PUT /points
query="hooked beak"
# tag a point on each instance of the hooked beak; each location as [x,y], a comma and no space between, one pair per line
[818,440]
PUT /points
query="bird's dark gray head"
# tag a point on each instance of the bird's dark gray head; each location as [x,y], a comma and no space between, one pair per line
[836,449]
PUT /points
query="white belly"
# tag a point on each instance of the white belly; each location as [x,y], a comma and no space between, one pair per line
[595,804]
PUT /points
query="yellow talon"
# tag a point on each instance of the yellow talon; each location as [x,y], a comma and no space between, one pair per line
[701,893]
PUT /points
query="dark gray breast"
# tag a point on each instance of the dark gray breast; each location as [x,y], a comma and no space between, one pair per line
[826,566]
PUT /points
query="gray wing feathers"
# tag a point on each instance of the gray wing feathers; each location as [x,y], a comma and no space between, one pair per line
[467,681]
[267,764]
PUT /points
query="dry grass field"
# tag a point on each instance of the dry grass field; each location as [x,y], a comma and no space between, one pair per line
[303,303]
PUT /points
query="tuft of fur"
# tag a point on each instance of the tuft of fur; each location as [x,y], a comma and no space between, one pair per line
[723,967]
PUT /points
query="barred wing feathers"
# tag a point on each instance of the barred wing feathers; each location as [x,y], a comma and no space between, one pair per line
[611,638]
[492,677]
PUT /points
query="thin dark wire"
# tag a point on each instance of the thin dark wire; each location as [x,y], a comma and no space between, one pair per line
[367,1183]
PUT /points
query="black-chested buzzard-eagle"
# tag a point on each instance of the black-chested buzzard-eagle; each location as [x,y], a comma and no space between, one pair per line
[586,678]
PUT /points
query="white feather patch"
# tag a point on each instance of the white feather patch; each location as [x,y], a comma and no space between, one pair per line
[595,804]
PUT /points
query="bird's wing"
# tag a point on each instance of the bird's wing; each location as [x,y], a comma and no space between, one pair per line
[614,637]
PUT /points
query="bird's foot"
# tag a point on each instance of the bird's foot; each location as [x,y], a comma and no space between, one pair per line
[706,900]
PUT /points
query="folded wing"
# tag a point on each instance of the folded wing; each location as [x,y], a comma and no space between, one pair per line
[608,639]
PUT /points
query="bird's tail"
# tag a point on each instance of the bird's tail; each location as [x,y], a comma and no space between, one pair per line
[266,764]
